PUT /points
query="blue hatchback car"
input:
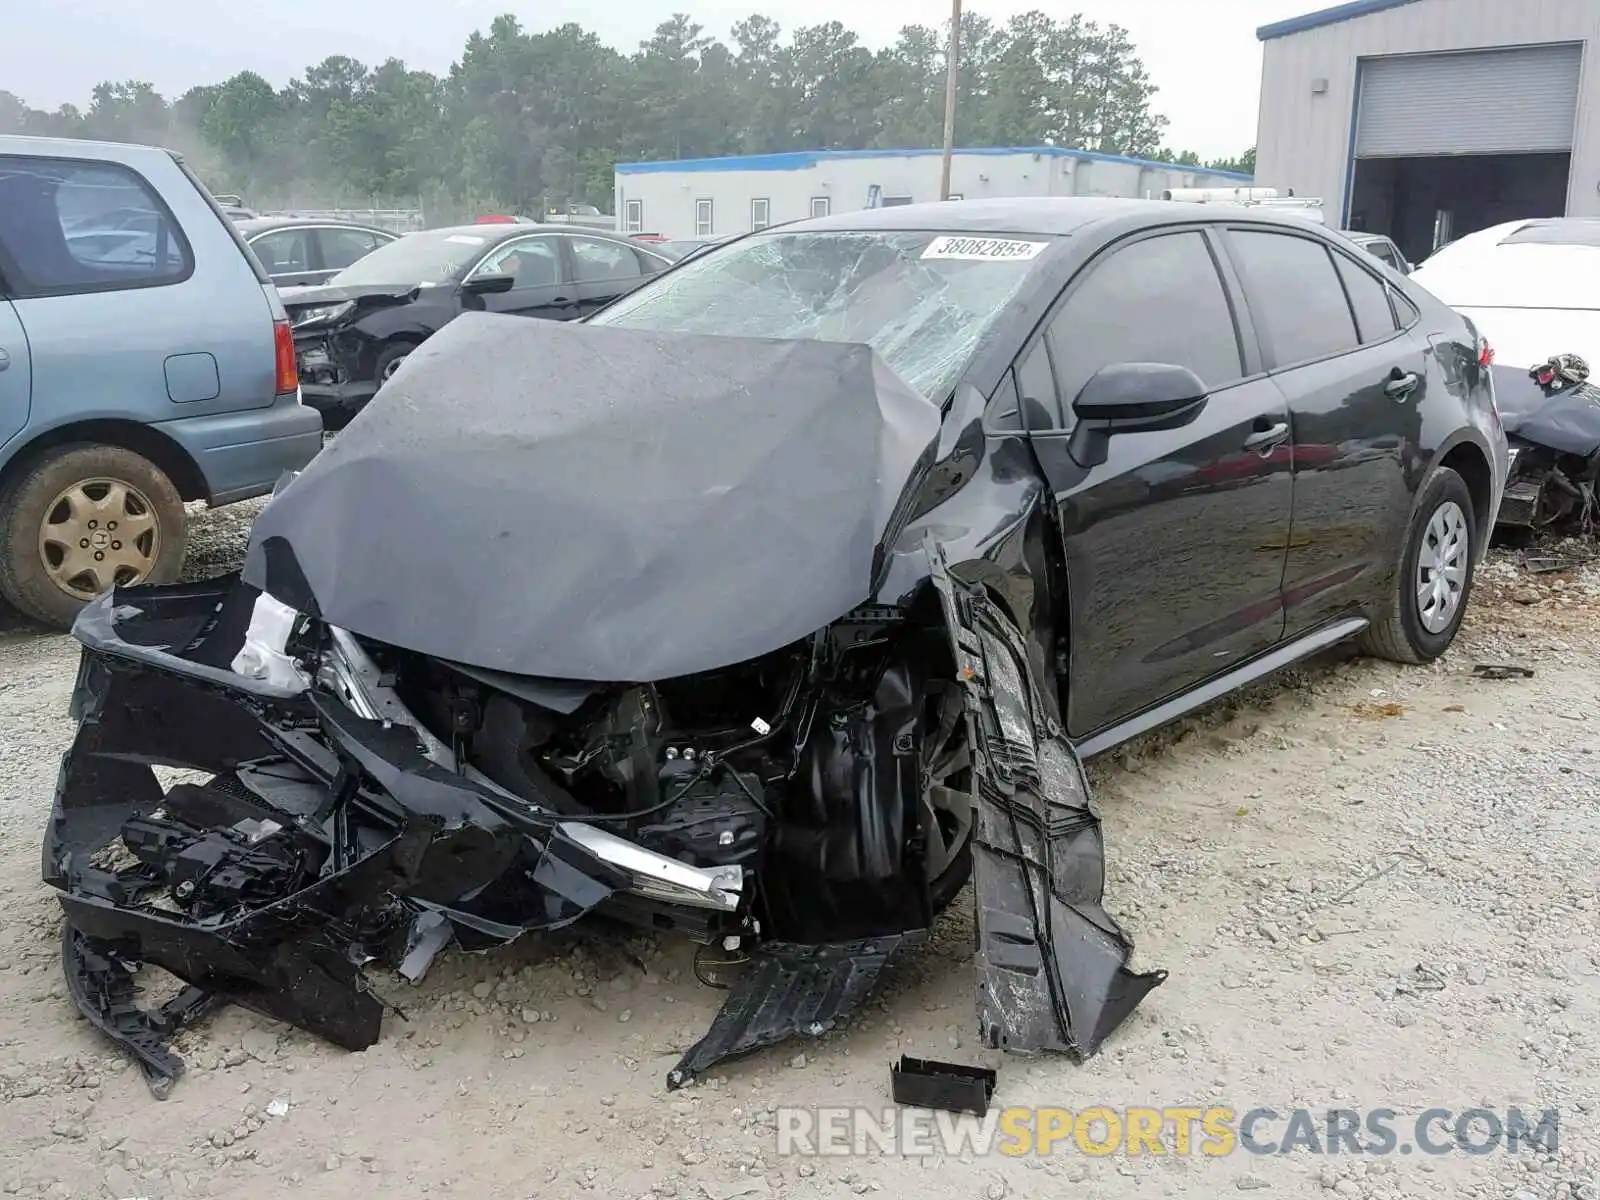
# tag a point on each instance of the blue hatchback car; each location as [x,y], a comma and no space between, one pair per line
[145,361]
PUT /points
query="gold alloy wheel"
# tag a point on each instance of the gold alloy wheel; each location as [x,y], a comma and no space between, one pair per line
[96,534]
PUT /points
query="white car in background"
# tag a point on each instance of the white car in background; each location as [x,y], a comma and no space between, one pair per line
[1531,287]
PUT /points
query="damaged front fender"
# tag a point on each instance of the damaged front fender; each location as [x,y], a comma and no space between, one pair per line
[1052,964]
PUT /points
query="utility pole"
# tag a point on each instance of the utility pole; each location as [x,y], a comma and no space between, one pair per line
[950,98]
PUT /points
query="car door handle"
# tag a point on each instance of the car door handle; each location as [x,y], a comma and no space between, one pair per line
[1401,384]
[5,360]
[1266,439]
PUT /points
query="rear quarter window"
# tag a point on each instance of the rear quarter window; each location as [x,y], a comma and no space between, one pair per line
[71,226]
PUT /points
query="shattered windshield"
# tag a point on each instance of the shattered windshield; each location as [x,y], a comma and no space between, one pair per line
[922,300]
[437,256]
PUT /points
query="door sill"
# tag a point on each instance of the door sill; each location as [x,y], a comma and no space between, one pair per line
[1214,689]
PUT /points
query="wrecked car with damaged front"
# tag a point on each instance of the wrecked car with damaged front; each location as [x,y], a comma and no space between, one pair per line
[738,611]
[685,715]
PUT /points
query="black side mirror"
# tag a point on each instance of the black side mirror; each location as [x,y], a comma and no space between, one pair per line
[489,285]
[1132,398]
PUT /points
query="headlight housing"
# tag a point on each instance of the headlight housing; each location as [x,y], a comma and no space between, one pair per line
[325,314]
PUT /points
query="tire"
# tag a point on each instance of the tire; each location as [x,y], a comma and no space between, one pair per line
[389,359]
[950,876]
[38,525]
[1409,633]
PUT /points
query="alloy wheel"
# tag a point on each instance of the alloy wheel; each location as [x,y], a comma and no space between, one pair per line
[97,534]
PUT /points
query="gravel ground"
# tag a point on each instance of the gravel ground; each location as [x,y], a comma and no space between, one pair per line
[1372,886]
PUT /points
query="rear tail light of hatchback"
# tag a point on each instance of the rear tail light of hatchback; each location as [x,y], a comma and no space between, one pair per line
[1485,353]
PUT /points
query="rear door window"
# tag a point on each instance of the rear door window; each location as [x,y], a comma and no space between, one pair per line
[74,225]
[595,261]
[1160,299]
[285,251]
[1369,297]
[1295,295]
[341,247]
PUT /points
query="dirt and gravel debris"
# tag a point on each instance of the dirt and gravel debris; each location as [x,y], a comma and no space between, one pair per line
[1373,887]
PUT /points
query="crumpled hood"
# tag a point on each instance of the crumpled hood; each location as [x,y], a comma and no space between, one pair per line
[596,503]
[373,295]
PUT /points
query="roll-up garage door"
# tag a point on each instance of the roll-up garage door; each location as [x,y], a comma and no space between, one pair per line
[1516,101]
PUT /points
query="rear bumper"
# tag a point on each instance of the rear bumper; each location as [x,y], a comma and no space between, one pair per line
[244,454]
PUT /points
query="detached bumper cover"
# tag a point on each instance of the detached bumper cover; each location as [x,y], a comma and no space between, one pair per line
[322,842]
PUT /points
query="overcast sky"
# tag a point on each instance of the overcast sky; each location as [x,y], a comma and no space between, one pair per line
[1203,56]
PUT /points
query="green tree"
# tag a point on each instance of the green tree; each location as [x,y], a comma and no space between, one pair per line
[525,119]
[127,112]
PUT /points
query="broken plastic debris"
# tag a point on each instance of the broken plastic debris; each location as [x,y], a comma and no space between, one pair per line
[923,1083]
[1502,671]
[278,1108]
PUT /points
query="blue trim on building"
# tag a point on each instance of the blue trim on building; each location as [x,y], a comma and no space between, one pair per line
[1327,16]
[800,160]
[1350,148]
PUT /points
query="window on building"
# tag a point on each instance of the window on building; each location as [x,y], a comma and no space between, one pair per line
[70,225]
[821,206]
[633,216]
[1158,300]
[760,214]
[702,218]
[1295,295]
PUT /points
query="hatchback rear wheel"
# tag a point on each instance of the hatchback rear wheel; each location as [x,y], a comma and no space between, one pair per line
[82,519]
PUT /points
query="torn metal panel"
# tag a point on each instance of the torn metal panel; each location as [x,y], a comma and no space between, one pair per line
[787,990]
[1052,963]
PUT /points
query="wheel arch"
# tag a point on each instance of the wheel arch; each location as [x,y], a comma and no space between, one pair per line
[142,439]
[1470,461]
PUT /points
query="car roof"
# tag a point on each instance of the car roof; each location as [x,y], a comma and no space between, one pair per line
[1484,269]
[496,231]
[54,147]
[1039,215]
[259,224]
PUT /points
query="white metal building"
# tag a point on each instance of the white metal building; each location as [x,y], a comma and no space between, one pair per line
[1428,119]
[717,197]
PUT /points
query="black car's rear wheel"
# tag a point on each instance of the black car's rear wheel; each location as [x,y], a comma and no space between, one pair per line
[1429,596]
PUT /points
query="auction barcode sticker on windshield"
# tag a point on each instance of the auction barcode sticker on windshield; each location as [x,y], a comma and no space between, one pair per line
[982,249]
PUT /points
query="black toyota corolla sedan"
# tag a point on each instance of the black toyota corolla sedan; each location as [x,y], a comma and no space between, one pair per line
[769,606]
[353,331]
